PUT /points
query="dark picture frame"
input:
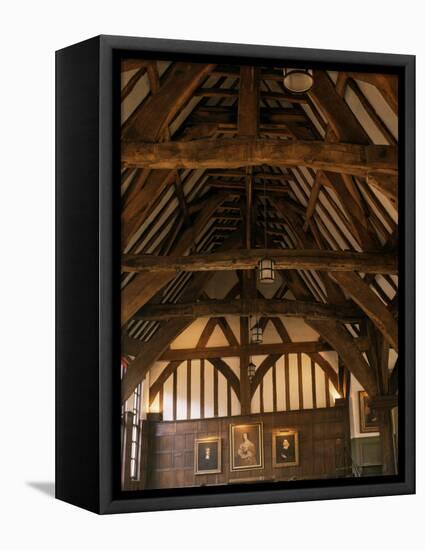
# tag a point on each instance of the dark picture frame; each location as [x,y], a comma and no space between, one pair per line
[367,414]
[246,446]
[88,267]
[207,455]
[285,448]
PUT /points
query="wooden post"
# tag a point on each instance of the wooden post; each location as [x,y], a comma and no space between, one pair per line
[244,362]
[383,406]
[248,115]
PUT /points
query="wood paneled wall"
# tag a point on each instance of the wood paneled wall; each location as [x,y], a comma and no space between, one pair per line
[323,448]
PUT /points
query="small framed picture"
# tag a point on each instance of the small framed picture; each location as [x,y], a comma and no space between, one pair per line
[246,446]
[285,449]
[368,416]
[208,455]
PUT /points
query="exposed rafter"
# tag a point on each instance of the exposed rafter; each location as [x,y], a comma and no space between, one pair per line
[346,158]
[253,306]
[322,260]
[197,154]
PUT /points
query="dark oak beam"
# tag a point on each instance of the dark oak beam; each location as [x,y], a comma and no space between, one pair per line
[387,84]
[262,370]
[321,260]
[248,103]
[306,241]
[217,308]
[150,353]
[282,178]
[338,114]
[359,160]
[369,302]
[338,337]
[158,110]
[240,187]
[346,126]
[141,289]
[255,349]
[314,195]
[341,341]
[140,200]
[162,378]
[228,115]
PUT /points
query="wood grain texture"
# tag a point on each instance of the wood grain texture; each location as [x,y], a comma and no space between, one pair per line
[322,260]
[347,158]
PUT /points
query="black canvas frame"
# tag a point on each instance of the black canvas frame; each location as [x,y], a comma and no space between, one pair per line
[87,276]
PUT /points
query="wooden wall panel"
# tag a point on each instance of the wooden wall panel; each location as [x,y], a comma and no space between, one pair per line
[322,437]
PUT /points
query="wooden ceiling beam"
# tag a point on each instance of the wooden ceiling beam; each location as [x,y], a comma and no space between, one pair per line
[321,260]
[149,353]
[248,118]
[340,117]
[337,336]
[241,187]
[228,115]
[314,195]
[346,126]
[229,174]
[387,84]
[141,289]
[255,306]
[179,190]
[360,160]
[248,101]
[162,378]
[372,112]
[155,113]
[361,293]
[139,202]
[255,349]
[168,331]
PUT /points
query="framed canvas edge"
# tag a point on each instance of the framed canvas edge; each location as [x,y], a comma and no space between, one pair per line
[108,502]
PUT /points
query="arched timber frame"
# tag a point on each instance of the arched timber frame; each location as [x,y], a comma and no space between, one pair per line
[219,364]
[332,207]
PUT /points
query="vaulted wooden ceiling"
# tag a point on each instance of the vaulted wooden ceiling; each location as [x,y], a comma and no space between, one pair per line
[221,166]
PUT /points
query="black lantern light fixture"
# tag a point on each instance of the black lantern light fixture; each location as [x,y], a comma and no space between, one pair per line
[251,370]
[266,266]
[266,270]
[297,81]
[256,333]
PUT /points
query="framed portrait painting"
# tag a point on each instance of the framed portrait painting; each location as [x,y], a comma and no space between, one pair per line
[246,446]
[208,455]
[368,414]
[285,451]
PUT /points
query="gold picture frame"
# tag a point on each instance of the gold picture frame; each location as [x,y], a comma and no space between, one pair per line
[207,456]
[285,448]
[367,415]
[246,446]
